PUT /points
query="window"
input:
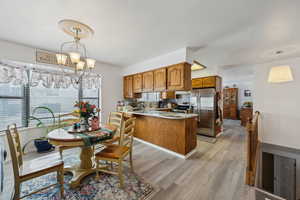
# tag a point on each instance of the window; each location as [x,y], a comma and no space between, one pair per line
[11,105]
[58,100]
[91,95]
[17,102]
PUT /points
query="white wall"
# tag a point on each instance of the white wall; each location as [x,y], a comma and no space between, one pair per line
[112,87]
[279,105]
[17,52]
[174,57]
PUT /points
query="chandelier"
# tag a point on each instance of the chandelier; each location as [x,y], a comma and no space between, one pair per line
[73,53]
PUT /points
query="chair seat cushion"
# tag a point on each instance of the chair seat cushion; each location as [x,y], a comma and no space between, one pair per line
[113,151]
[42,163]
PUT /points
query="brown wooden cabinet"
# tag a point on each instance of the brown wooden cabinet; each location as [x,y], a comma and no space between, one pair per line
[148,81]
[245,114]
[137,83]
[230,103]
[168,95]
[171,78]
[160,79]
[179,76]
[127,87]
[207,82]
[197,82]
[175,135]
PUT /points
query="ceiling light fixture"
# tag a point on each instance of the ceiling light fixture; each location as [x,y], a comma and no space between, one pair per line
[197,66]
[280,74]
[75,50]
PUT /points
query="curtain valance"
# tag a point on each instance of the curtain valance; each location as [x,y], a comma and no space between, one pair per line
[35,75]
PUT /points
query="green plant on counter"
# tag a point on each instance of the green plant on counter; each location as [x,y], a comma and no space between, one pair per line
[248,104]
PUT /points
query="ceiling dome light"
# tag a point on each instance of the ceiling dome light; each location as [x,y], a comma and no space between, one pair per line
[197,66]
[280,74]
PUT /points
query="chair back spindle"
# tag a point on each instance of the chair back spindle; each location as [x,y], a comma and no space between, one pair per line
[15,148]
[127,131]
[116,119]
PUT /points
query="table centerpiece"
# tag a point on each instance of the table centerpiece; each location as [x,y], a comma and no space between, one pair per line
[87,111]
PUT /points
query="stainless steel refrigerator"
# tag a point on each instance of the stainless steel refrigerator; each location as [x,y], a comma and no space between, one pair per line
[205,104]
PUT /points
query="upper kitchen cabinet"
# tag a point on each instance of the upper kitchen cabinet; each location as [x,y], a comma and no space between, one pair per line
[137,83]
[197,83]
[160,79]
[127,87]
[148,80]
[171,78]
[207,82]
[179,77]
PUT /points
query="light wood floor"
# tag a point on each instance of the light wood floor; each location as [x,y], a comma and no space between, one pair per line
[214,172]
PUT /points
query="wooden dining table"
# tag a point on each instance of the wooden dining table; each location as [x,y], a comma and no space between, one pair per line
[61,137]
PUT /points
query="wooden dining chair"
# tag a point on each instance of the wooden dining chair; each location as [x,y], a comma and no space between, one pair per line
[64,120]
[68,119]
[117,152]
[24,171]
[115,119]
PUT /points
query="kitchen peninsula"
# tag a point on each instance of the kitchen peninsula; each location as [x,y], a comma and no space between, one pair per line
[175,132]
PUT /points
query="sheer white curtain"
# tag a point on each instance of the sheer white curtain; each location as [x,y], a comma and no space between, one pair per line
[35,75]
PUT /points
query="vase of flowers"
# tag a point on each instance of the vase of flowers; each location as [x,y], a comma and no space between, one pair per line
[86,111]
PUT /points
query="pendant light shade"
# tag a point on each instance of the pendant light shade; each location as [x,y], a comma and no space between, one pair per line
[90,63]
[80,65]
[280,74]
[61,59]
[75,57]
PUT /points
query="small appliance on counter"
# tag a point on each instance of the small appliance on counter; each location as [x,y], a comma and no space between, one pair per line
[183,108]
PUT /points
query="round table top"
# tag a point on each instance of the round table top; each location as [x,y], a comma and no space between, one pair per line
[62,135]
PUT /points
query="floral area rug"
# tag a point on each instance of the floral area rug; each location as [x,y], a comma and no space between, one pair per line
[107,188]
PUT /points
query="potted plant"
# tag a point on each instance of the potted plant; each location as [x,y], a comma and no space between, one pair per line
[41,143]
[247,104]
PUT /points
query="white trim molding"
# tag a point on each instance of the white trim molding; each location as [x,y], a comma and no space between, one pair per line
[168,151]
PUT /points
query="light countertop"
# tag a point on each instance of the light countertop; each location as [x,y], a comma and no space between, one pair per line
[161,114]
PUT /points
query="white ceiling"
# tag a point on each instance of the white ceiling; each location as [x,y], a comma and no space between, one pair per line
[130,31]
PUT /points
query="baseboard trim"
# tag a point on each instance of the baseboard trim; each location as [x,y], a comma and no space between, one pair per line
[167,150]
